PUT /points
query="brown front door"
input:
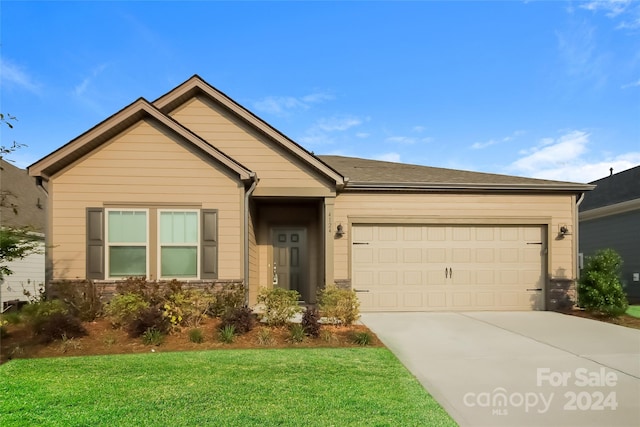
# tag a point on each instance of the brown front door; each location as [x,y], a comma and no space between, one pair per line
[289,260]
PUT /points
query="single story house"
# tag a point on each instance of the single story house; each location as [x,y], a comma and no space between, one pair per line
[610,218]
[195,187]
[22,205]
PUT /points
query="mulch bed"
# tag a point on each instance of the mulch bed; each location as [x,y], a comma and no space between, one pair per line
[104,339]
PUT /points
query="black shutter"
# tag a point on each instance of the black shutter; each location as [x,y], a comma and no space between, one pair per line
[95,243]
[209,244]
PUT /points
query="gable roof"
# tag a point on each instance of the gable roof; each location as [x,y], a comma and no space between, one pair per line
[22,204]
[375,174]
[617,188]
[128,116]
[197,86]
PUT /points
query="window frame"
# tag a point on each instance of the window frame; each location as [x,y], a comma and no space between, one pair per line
[108,244]
[160,245]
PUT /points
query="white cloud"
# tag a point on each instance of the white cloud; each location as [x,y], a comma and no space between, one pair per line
[333,124]
[627,11]
[419,129]
[12,75]
[362,135]
[612,8]
[632,84]
[481,145]
[283,105]
[489,143]
[322,131]
[81,88]
[565,159]
[401,140]
[388,157]
[407,140]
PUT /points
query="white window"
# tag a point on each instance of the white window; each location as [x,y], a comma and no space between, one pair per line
[179,243]
[127,243]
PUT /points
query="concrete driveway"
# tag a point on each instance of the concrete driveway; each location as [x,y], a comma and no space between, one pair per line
[519,368]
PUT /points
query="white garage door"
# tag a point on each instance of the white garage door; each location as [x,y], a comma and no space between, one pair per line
[424,268]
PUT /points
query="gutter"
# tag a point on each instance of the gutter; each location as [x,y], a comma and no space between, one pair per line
[247,195]
[465,186]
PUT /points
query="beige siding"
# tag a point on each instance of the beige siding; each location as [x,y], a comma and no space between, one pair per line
[142,166]
[276,168]
[550,210]
[254,260]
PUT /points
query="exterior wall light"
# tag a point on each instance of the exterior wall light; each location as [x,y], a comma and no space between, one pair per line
[339,230]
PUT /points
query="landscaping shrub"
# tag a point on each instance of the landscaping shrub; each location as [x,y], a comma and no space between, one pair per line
[123,308]
[68,344]
[265,336]
[339,305]
[151,292]
[3,329]
[296,333]
[599,287]
[196,336]
[172,310]
[311,322]
[328,336]
[36,310]
[58,325]
[80,297]
[152,336]
[11,317]
[280,305]
[148,318]
[226,299]
[362,338]
[242,319]
[227,334]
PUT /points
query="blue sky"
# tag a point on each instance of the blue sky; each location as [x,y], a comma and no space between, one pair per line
[545,89]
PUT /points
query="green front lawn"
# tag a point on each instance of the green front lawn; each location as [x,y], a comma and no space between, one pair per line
[634,310]
[288,387]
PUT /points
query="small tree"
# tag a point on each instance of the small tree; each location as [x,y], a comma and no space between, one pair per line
[15,243]
[599,287]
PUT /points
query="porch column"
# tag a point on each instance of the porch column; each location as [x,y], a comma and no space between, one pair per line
[329,231]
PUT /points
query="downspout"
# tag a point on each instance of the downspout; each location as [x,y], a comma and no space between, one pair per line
[48,264]
[247,196]
[576,231]
[40,186]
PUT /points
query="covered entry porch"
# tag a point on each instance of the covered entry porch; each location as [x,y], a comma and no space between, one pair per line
[290,245]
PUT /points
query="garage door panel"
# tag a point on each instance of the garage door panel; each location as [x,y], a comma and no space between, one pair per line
[388,234]
[461,277]
[448,267]
[412,255]
[388,300]
[412,300]
[388,278]
[363,256]
[412,278]
[437,300]
[485,299]
[436,255]
[461,255]
[388,255]
[508,256]
[461,300]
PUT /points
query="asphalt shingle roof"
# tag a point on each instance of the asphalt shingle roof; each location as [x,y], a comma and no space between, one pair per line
[364,171]
[23,204]
[620,187]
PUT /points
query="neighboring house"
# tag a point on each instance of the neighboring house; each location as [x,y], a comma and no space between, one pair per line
[195,187]
[610,218]
[22,204]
